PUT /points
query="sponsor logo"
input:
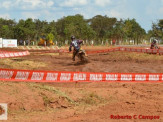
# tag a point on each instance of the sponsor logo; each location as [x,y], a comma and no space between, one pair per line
[96,77]
[20,53]
[6,55]
[24,53]
[65,77]
[11,45]
[37,76]
[11,54]
[2,55]
[143,50]
[138,50]
[149,50]
[122,49]
[111,77]
[3,111]
[133,50]
[153,77]
[140,77]
[6,74]
[79,77]
[126,77]
[52,76]
[128,49]
[16,54]
[22,75]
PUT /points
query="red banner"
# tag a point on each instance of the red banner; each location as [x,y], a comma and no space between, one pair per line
[5,54]
[140,50]
[55,76]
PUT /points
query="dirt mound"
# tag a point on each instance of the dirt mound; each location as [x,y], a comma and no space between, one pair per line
[29,97]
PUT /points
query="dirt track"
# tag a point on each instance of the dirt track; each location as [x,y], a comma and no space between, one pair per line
[90,102]
[118,62]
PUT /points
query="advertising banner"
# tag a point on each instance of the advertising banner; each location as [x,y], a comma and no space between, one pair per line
[1,42]
[9,42]
[63,76]
[13,54]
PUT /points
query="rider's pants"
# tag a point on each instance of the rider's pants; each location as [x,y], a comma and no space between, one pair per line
[74,54]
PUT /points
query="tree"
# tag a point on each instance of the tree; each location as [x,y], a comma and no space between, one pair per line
[29,29]
[50,36]
[7,28]
[117,32]
[98,28]
[160,24]
[133,30]
[74,25]
[53,29]
[101,25]
[19,32]
[5,31]
[157,29]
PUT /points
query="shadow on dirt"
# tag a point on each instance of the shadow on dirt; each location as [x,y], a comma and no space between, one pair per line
[81,63]
[17,59]
[77,63]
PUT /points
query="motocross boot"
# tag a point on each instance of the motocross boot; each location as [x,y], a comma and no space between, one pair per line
[73,57]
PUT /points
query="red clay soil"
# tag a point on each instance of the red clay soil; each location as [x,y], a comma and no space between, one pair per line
[115,62]
[87,102]
[34,103]
[125,99]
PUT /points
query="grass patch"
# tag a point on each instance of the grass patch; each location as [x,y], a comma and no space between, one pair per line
[145,56]
[88,98]
[129,56]
[92,99]
[52,89]
[47,100]
[49,54]
[17,63]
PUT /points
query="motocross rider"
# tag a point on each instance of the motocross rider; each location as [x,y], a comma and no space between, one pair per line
[76,44]
[154,44]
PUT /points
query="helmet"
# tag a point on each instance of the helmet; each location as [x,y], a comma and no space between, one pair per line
[154,40]
[72,37]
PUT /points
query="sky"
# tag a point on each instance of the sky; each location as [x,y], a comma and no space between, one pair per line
[144,11]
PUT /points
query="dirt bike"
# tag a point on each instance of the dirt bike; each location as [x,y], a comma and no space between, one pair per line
[155,47]
[82,55]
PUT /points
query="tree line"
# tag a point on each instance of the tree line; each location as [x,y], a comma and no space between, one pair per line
[99,28]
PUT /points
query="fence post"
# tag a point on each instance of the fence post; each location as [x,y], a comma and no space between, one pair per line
[45,43]
[92,42]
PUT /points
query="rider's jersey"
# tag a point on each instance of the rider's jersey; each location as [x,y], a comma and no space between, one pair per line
[76,44]
[153,45]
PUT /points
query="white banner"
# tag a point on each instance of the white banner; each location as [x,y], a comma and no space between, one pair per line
[1,42]
[3,111]
[9,42]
